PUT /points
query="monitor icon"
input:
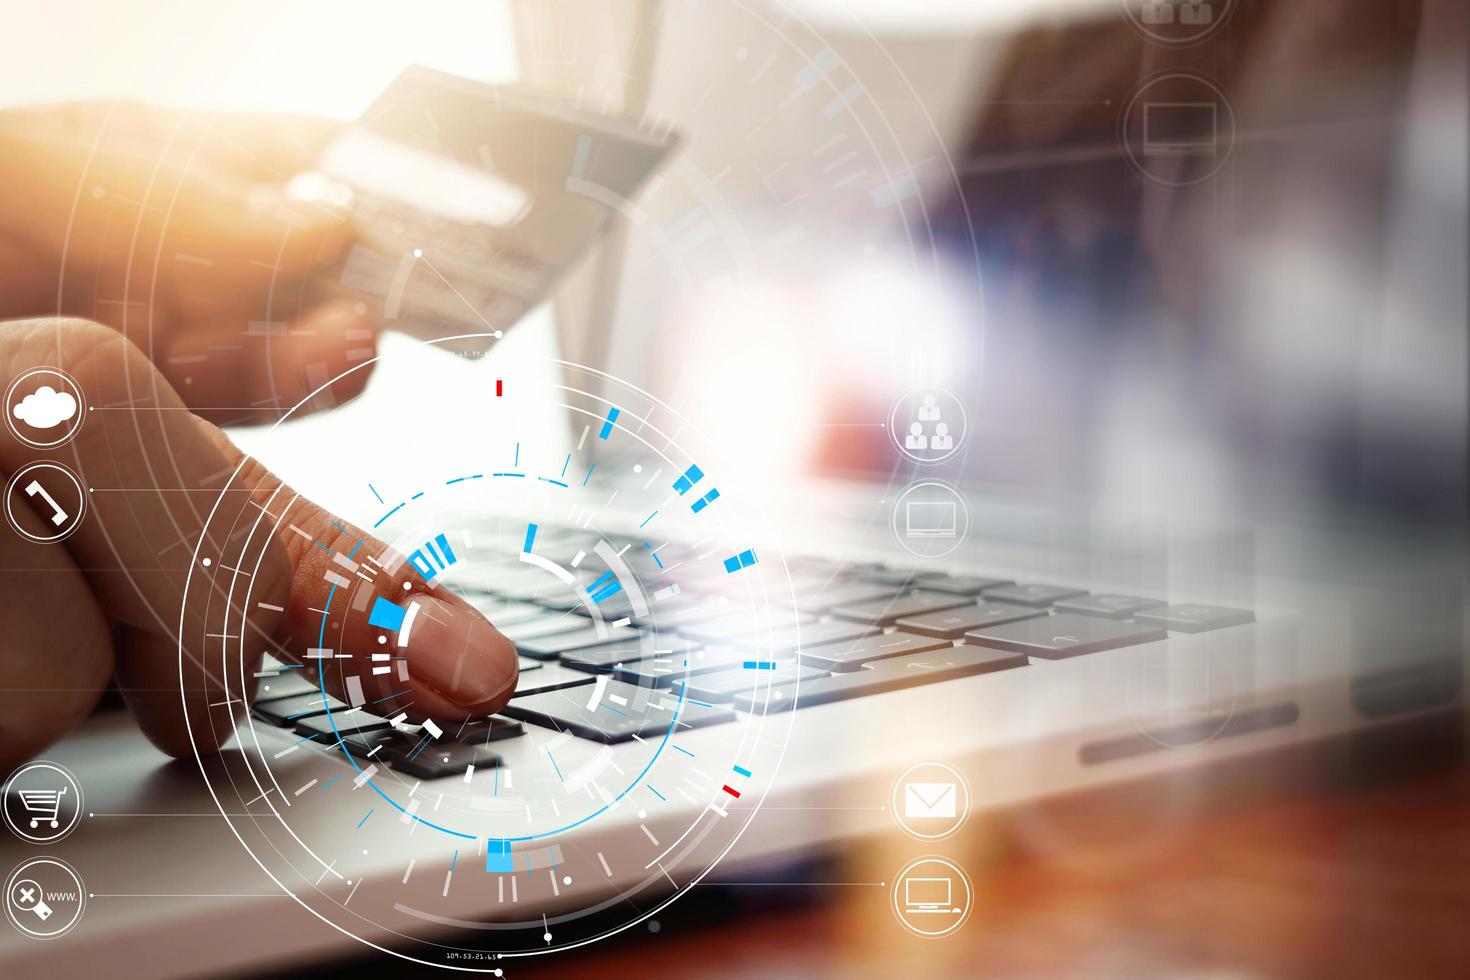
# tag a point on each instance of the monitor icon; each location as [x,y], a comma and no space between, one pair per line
[928,895]
[931,518]
[1179,129]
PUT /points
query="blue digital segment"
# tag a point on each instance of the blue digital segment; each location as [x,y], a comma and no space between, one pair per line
[705,501]
[386,615]
[745,559]
[686,482]
[607,425]
[530,538]
[498,858]
[428,561]
[605,587]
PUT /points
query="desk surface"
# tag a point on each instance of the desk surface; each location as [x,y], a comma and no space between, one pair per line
[1286,876]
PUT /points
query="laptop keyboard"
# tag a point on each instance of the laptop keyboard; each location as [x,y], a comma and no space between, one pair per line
[864,629]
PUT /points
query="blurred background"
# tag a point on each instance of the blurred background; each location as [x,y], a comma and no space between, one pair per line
[1208,274]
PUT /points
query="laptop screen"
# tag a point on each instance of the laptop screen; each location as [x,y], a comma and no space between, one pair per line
[1216,277]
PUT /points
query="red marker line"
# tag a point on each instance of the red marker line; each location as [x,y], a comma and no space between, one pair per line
[731,792]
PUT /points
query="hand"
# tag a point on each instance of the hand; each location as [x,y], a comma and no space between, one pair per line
[173,228]
[176,257]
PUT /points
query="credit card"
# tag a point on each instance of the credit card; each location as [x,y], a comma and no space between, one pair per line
[468,201]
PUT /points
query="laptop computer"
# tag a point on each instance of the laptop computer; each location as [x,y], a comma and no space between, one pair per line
[1063,642]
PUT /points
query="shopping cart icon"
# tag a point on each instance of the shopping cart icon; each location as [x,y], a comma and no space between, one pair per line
[42,804]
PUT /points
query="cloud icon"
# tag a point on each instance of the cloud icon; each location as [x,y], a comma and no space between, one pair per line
[45,408]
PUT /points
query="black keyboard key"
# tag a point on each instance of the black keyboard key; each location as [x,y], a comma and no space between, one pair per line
[722,686]
[837,594]
[550,646]
[881,676]
[347,720]
[885,612]
[1195,618]
[952,624]
[970,585]
[1031,595]
[903,578]
[1063,635]
[620,712]
[811,635]
[285,711]
[665,617]
[440,758]
[604,659]
[662,671]
[750,623]
[1106,604]
[491,729]
[288,683]
[551,677]
[851,656]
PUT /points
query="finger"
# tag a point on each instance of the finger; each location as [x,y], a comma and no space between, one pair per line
[57,655]
[156,473]
[232,375]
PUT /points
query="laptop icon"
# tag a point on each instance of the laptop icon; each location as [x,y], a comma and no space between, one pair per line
[930,518]
[927,895]
[1179,129]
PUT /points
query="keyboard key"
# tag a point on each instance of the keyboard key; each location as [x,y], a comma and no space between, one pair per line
[1031,595]
[347,720]
[286,684]
[851,656]
[666,618]
[901,577]
[893,674]
[551,677]
[285,711]
[624,710]
[440,758]
[722,686]
[549,647]
[1111,606]
[661,671]
[837,594]
[885,612]
[526,663]
[1195,618]
[812,635]
[971,585]
[749,623]
[1063,635]
[491,729]
[952,624]
[603,659]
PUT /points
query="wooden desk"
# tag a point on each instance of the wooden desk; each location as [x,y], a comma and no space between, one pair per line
[1356,866]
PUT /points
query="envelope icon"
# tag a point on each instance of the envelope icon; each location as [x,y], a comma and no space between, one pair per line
[928,800]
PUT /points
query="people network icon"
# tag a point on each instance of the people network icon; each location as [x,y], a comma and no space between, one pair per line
[919,437]
[1195,13]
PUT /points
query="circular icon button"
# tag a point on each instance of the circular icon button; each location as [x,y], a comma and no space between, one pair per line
[928,424]
[930,519]
[44,408]
[932,897]
[1177,23]
[50,490]
[43,802]
[44,898]
[930,800]
[1178,129]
